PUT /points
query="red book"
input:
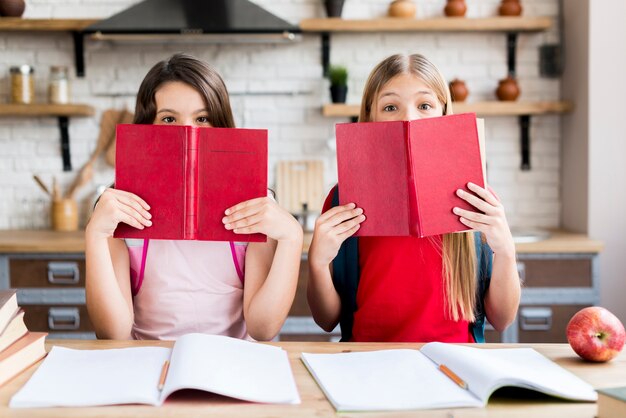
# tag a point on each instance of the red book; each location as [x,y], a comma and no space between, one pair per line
[189,176]
[405,174]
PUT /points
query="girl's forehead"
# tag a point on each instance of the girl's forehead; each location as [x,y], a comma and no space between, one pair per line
[405,84]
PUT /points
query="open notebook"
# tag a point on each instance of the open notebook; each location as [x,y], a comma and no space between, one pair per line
[222,365]
[411,379]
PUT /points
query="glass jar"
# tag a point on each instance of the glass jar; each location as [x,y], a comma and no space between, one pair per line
[22,84]
[58,85]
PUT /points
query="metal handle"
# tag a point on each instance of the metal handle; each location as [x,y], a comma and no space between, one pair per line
[63,319]
[63,272]
[521,270]
[535,319]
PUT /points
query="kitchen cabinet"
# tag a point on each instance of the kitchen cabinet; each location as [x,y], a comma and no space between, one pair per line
[48,270]
[560,276]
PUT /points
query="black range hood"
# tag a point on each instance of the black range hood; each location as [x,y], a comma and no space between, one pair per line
[194,18]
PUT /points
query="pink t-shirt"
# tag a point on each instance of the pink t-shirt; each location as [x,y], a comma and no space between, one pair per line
[188,286]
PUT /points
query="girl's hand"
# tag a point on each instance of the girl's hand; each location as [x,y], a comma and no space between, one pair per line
[115,206]
[491,222]
[262,215]
[332,228]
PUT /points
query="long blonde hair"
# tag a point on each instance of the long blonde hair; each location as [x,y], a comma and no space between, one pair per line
[458,249]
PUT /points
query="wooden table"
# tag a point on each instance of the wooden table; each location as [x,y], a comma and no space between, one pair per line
[314,403]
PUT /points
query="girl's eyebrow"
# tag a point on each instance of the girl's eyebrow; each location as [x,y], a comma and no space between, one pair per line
[420,92]
[200,111]
[167,111]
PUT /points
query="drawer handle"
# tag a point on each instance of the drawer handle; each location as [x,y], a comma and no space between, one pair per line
[535,319]
[63,272]
[63,319]
[521,270]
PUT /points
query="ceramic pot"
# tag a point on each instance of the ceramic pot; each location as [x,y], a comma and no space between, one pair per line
[510,8]
[12,8]
[338,93]
[455,8]
[402,8]
[458,90]
[333,7]
[508,90]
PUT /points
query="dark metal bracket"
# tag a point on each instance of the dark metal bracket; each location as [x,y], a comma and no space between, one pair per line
[64,124]
[79,53]
[325,52]
[511,46]
[524,122]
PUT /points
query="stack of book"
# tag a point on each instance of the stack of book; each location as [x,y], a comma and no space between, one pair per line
[19,348]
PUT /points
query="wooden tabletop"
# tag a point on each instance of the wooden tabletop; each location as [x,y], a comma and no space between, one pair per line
[314,403]
[40,241]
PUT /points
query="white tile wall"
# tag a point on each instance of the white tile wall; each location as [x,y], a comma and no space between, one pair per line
[278,87]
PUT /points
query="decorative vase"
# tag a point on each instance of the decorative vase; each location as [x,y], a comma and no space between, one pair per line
[338,93]
[455,8]
[508,90]
[12,8]
[458,90]
[402,8]
[510,8]
[333,7]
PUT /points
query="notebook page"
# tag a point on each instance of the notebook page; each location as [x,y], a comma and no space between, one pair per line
[486,370]
[385,380]
[231,367]
[70,377]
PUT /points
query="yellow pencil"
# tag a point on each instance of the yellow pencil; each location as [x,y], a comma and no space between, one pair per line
[453,376]
[164,370]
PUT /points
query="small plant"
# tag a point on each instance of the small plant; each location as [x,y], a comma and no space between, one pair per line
[338,75]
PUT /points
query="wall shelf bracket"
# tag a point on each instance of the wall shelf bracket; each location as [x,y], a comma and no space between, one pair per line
[524,122]
[64,124]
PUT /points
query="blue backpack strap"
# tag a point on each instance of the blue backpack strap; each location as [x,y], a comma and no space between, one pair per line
[484,257]
[346,278]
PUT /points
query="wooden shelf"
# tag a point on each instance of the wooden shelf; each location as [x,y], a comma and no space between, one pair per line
[44,109]
[60,111]
[480,108]
[443,24]
[43,25]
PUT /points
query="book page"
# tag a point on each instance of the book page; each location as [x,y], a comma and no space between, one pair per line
[70,377]
[486,370]
[231,367]
[385,380]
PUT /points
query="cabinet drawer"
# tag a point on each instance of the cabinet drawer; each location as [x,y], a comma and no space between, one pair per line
[57,318]
[544,324]
[46,272]
[556,272]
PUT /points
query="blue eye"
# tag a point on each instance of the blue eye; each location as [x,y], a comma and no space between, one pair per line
[389,108]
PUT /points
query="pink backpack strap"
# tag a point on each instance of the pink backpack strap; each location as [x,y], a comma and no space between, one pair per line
[233,252]
[136,285]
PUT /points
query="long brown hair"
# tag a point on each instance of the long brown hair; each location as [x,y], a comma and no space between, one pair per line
[197,74]
[458,249]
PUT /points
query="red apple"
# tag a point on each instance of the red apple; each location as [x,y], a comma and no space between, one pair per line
[596,334]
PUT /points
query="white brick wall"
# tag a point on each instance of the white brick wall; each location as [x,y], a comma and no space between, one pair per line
[278,87]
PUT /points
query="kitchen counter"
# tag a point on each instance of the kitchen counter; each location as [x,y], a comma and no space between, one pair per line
[35,241]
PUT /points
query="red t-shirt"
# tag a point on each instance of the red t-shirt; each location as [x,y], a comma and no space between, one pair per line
[400,297]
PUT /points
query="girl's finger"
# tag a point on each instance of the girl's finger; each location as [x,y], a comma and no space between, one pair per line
[475,201]
[242,214]
[245,204]
[344,236]
[484,193]
[473,216]
[335,210]
[347,225]
[473,225]
[130,211]
[132,196]
[244,222]
[128,201]
[130,220]
[250,229]
[344,216]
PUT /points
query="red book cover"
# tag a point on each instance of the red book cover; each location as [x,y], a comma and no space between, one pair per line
[189,176]
[404,174]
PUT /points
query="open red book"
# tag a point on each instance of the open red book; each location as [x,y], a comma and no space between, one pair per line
[189,176]
[404,174]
